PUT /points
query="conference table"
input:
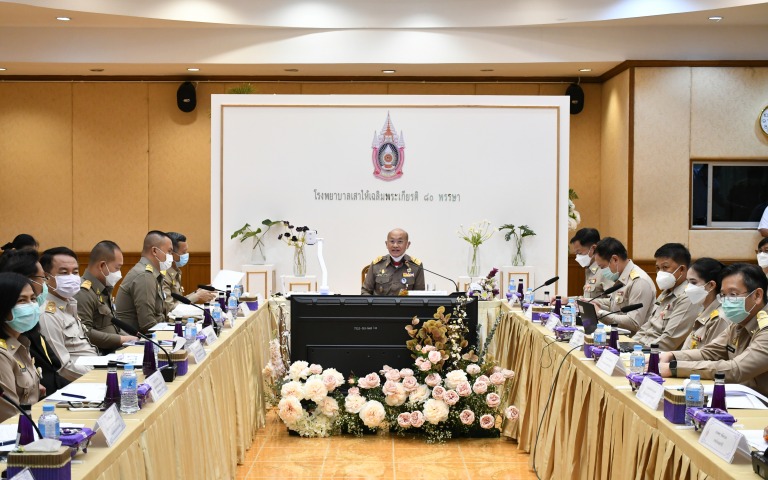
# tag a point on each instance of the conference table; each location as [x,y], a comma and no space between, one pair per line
[201,428]
[594,426]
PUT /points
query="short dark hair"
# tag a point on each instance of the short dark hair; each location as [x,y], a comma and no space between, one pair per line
[153,238]
[709,270]
[22,240]
[104,250]
[751,274]
[46,259]
[763,242]
[676,251]
[22,261]
[586,236]
[176,238]
[609,246]
[11,285]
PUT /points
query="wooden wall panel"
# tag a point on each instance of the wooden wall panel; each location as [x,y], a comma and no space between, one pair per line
[432,89]
[343,88]
[110,164]
[36,162]
[614,158]
[508,89]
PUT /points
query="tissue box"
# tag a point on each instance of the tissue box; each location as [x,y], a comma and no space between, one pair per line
[597,351]
[179,358]
[43,465]
[636,379]
[701,416]
[252,302]
[76,439]
[587,347]
[564,334]
[674,406]
[538,310]
[143,393]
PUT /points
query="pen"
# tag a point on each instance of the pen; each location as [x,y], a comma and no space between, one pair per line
[82,397]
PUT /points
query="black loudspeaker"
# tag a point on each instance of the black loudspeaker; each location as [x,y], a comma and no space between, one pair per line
[186,99]
[577,98]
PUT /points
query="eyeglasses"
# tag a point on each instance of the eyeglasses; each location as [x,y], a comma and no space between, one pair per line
[85,404]
[44,277]
[396,242]
[734,296]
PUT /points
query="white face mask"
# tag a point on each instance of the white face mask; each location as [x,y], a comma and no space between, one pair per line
[167,263]
[67,286]
[397,259]
[666,280]
[762,259]
[583,260]
[112,277]
[696,293]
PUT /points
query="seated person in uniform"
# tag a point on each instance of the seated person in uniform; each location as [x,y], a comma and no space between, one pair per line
[702,290]
[172,278]
[19,312]
[612,258]
[140,300]
[762,255]
[59,322]
[94,300]
[395,273]
[741,350]
[583,244]
[21,240]
[673,315]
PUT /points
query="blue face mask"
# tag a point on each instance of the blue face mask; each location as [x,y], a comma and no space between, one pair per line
[183,259]
[25,317]
[734,308]
[43,295]
[609,275]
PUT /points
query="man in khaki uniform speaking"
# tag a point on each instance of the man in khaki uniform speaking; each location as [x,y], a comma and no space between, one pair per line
[395,273]
[94,300]
[612,258]
[59,322]
[741,350]
[140,299]
[172,279]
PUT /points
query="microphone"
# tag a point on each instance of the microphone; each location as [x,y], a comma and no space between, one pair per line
[18,407]
[616,286]
[547,283]
[209,288]
[185,300]
[627,309]
[168,373]
[443,276]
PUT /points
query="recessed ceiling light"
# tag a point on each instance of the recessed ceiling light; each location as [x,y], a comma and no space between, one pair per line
[291,70]
[2,69]
[193,69]
[716,18]
[388,71]
[63,19]
[486,70]
[97,69]
[585,69]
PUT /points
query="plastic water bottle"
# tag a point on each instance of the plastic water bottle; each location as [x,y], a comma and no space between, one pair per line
[238,291]
[637,360]
[129,398]
[216,313]
[529,296]
[232,308]
[599,335]
[49,422]
[190,332]
[694,396]
[511,291]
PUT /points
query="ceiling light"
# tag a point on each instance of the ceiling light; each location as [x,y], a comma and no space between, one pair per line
[2,69]
[193,69]
[388,71]
[716,18]
[486,70]
[585,69]
[291,70]
[63,19]
[97,69]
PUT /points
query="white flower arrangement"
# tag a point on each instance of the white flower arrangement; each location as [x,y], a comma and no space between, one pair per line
[574,217]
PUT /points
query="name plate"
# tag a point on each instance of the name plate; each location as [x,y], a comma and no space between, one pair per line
[159,387]
[197,351]
[244,309]
[178,344]
[650,393]
[609,363]
[210,335]
[577,339]
[111,424]
[723,440]
[552,322]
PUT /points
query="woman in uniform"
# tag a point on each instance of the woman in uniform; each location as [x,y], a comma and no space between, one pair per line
[703,288]
[19,313]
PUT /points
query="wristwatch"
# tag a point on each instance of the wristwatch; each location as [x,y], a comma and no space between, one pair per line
[673,367]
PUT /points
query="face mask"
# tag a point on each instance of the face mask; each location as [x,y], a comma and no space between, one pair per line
[609,275]
[734,309]
[696,293]
[397,259]
[112,277]
[25,317]
[67,285]
[762,259]
[43,295]
[666,280]
[583,260]
[167,263]
[183,259]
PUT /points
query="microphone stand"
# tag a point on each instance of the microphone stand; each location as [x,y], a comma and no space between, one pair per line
[169,371]
[18,407]
[443,276]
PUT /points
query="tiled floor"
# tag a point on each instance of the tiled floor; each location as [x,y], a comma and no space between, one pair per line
[277,455]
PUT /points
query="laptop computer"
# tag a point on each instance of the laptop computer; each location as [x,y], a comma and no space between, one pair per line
[588,316]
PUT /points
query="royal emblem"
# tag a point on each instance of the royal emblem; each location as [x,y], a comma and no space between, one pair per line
[388,155]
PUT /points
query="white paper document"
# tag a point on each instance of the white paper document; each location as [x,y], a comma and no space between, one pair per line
[227,277]
[79,392]
[755,439]
[135,359]
[186,311]
[162,327]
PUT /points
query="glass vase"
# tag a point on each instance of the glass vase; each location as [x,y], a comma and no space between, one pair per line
[257,254]
[517,259]
[473,261]
[299,261]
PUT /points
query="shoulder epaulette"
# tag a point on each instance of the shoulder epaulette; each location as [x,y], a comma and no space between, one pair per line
[416,261]
[762,320]
[50,307]
[149,268]
[634,274]
[714,314]
[377,259]
[3,345]
[86,284]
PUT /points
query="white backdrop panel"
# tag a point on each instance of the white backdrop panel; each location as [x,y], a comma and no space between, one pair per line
[278,156]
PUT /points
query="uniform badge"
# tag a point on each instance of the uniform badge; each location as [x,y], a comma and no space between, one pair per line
[593,280]
[149,268]
[86,284]
[619,297]
[50,307]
